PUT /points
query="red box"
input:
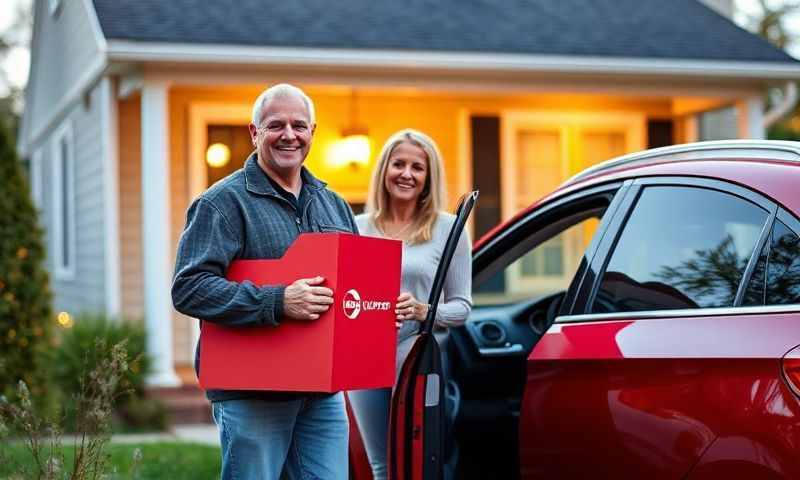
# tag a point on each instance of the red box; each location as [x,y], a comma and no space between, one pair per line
[351,346]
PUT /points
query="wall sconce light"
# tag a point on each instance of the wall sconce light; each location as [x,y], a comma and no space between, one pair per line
[218,155]
[353,148]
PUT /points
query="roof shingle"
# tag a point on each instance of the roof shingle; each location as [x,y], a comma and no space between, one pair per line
[673,29]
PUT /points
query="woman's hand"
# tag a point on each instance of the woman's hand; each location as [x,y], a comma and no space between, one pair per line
[409,308]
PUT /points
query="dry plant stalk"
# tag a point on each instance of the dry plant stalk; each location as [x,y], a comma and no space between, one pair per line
[42,437]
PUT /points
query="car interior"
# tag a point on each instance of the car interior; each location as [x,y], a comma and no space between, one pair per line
[518,285]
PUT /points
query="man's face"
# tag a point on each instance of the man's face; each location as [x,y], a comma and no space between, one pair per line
[283,137]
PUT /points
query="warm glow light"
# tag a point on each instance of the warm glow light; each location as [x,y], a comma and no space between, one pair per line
[218,155]
[65,320]
[352,150]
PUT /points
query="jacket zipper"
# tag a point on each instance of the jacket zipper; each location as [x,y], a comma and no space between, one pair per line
[298,222]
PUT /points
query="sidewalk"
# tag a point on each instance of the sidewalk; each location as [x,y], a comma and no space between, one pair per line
[198,433]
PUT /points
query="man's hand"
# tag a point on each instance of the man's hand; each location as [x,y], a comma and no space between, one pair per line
[305,300]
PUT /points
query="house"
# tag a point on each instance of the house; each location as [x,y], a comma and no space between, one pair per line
[126,96]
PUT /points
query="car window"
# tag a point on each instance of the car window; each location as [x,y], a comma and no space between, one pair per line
[776,277]
[682,247]
[757,287]
[545,269]
[783,267]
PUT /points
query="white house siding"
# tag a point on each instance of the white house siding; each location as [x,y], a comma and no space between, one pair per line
[65,49]
[85,291]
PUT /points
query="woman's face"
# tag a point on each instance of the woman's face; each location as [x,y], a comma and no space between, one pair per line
[406,173]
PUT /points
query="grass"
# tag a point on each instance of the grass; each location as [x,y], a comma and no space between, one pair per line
[167,460]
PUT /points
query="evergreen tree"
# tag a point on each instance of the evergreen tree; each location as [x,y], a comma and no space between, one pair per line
[25,311]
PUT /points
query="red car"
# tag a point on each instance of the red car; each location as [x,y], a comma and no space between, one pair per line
[642,321]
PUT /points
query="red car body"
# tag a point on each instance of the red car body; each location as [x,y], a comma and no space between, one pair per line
[665,394]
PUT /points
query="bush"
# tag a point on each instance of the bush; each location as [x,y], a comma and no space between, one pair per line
[25,311]
[75,354]
[47,457]
[783,132]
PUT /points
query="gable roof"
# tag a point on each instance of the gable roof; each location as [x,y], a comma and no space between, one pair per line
[674,29]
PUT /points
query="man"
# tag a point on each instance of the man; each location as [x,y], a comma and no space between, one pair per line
[257,212]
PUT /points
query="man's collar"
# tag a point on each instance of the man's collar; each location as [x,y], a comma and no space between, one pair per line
[257,182]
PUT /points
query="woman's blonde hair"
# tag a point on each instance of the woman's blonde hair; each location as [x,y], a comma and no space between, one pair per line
[430,201]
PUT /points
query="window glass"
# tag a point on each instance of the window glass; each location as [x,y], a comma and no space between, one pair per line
[545,269]
[783,267]
[720,124]
[757,287]
[682,247]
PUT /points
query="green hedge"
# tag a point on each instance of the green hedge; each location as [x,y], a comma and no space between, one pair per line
[25,311]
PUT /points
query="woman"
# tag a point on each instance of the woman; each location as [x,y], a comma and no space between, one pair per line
[405,202]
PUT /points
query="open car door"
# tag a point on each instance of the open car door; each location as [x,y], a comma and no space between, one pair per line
[417,418]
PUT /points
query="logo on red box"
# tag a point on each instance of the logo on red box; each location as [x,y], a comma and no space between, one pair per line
[352,305]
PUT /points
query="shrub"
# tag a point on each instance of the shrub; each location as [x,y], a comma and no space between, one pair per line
[25,311]
[47,455]
[783,132]
[75,354]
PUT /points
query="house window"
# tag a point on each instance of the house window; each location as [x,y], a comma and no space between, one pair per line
[64,204]
[720,124]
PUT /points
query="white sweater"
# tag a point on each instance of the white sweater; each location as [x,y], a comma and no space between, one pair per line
[419,265]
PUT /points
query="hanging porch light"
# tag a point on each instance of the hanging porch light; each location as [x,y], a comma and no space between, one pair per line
[353,149]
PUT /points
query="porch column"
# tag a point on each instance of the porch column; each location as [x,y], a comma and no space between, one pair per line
[751,118]
[687,128]
[156,242]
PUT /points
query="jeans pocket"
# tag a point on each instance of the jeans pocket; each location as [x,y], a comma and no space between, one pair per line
[214,413]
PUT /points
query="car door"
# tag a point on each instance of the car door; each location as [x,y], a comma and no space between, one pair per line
[654,359]
[417,415]
[520,274]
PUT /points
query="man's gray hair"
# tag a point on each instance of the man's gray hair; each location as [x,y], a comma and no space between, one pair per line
[281,90]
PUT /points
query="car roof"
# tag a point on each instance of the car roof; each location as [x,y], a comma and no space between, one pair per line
[769,167]
[755,150]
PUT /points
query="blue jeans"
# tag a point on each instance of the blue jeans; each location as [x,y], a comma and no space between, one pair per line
[371,409]
[305,438]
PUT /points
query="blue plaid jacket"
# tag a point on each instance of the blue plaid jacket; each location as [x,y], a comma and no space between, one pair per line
[243,217]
